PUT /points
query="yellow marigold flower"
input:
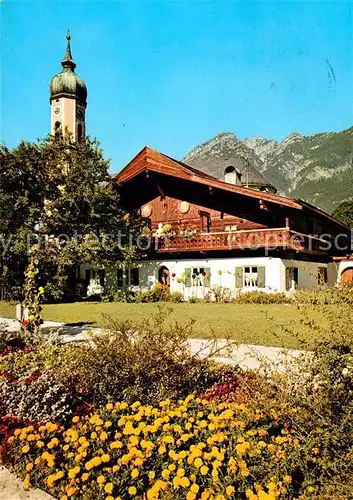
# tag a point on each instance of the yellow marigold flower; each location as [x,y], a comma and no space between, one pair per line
[75,419]
[180,472]
[190,495]
[105,458]
[109,406]
[96,461]
[115,445]
[108,488]
[165,474]
[138,462]
[194,488]
[151,475]
[103,436]
[132,490]
[230,490]
[135,473]
[162,449]
[31,437]
[116,468]
[287,479]
[176,482]
[198,463]
[25,448]
[72,491]
[101,479]
[171,467]
[204,470]
[29,467]
[133,440]
[109,498]
[184,482]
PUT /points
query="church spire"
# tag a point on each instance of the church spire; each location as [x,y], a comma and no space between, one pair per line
[68,62]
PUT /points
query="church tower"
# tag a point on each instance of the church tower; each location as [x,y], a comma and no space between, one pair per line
[68,98]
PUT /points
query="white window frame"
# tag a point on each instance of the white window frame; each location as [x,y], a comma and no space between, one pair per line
[251,276]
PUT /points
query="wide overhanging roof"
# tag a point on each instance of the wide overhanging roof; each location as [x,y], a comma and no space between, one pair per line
[149,169]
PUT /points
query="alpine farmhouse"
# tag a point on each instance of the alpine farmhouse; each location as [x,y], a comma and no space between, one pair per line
[216,222]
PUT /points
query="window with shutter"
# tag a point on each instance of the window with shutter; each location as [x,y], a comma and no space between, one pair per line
[239,277]
[207,278]
[288,278]
[188,272]
[261,276]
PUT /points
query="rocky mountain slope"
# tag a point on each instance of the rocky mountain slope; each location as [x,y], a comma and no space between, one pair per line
[316,168]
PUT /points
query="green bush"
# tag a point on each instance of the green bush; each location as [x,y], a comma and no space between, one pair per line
[328,296]
[219,293]
[258,297]
[176,297]
[120,296]
[196,300]
[146,360]
[158,293]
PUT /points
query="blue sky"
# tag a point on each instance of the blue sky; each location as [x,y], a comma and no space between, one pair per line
[174,74]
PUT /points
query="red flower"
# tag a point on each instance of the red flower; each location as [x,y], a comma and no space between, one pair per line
[204,274]
[25,322]
[173,275]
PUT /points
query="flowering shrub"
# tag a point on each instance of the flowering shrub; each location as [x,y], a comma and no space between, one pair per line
[186,450]
[239,387]
[37,397]
[148,360]
[157,293]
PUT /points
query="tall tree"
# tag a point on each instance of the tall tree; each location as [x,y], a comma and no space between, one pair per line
[344,212]
[59,207]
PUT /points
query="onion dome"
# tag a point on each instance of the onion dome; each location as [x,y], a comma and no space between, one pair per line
[67,83]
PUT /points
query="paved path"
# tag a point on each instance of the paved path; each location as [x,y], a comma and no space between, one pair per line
[11,488]
[244,355]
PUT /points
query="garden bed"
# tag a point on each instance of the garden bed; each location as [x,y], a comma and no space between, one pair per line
[134,414]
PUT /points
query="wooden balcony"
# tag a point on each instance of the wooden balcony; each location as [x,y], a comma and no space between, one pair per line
[240,240]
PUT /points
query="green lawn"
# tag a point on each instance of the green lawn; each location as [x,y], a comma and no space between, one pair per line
[246,323]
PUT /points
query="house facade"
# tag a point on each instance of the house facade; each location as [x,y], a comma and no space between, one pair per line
[206,232]
[216,222]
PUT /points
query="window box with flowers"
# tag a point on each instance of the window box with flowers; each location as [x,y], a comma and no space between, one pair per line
[164,231]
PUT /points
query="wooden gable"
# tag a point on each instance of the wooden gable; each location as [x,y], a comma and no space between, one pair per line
[163,183]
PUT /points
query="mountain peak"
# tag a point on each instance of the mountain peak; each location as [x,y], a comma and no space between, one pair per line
[317,168]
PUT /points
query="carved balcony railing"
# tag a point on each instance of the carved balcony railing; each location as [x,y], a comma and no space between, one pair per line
[241,240]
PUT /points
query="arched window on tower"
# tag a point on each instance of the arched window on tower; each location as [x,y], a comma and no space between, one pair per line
[79,132]
[57,129]
[232,175]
